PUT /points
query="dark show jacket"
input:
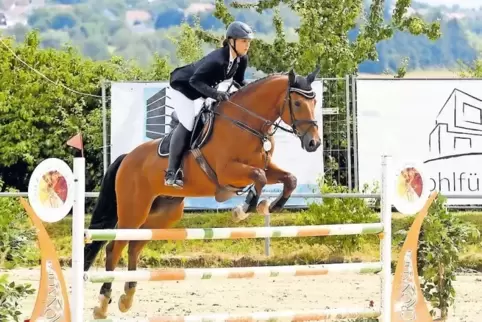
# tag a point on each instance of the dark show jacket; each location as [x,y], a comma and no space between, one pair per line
[199,78]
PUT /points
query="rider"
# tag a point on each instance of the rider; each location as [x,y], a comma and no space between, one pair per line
[193,83]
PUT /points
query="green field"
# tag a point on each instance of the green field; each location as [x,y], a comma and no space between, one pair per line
[242,252]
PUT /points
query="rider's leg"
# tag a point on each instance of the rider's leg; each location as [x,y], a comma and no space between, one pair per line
[185,109]
[179,144]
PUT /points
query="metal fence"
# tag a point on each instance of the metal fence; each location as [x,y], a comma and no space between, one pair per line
[340,145]
[340,137]
[339,132]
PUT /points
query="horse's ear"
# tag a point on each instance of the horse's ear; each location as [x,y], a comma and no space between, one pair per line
[311,77]
[291,76]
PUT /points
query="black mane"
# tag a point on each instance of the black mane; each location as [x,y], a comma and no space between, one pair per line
[301,82]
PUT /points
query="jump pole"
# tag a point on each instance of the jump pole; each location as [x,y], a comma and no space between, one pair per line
[386,239]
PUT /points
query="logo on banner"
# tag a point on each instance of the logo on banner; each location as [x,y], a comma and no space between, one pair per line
[411,189]
[158,109]
[50,190]
[455,145]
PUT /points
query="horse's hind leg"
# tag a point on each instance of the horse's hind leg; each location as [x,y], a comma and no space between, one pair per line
[133,211]
[165,213]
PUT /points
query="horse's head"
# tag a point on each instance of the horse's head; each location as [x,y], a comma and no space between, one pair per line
[298,110]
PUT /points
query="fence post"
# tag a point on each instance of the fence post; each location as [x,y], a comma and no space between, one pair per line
[348,132]
[104,127]
[267,241]
[386,238]
[78,222]
[355,129]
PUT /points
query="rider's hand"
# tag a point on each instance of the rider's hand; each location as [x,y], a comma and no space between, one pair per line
[222,96]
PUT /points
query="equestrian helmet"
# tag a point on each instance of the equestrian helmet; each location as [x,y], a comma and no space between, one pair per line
[239,30]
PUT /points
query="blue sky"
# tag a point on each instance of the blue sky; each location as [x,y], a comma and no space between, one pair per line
[462,3]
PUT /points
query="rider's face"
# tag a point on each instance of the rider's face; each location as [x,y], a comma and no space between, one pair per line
[242,45]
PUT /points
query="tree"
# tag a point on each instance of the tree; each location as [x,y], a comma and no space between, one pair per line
[39,112]
[323,34]
[473,70]
[188,46]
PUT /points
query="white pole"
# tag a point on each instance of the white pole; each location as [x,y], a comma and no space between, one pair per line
[78,219]
[386,241]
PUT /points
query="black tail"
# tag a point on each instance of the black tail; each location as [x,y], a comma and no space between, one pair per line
[104,215]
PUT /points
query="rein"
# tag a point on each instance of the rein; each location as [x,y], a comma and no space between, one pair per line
[264,137]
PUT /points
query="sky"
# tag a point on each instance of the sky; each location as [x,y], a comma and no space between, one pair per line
[462,3]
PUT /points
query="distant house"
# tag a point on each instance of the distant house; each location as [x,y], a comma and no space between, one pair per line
[136,17]
[195,8]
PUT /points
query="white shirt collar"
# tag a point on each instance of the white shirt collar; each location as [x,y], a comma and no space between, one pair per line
[231,58]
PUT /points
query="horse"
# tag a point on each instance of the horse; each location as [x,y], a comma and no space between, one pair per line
[230,153]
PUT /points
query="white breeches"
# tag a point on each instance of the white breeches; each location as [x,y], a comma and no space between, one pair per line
[185,108]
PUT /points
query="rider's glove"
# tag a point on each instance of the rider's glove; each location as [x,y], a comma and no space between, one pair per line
[222,96]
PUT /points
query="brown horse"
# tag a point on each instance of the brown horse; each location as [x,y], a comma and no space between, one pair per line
[231,149]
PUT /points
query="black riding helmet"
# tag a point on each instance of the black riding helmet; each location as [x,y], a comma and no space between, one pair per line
[238,30]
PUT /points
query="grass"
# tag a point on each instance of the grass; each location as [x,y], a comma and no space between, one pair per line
[250,252]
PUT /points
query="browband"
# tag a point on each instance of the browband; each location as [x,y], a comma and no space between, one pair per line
[307,94]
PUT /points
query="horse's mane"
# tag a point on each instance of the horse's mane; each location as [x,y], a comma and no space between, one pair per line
[253,84]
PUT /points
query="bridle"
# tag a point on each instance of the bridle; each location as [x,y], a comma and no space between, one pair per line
[267,123]
[295,123]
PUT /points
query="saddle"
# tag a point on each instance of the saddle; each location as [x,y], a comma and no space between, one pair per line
[200,135]
[202,130]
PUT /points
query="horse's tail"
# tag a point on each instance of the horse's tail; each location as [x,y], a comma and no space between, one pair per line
[104,215]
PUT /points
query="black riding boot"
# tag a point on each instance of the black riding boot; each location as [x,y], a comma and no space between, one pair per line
[179,142]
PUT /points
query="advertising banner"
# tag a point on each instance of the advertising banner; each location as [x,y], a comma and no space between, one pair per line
[141,112]
[435,122]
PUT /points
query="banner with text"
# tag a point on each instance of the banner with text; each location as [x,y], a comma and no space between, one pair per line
[435,122]
[141,112]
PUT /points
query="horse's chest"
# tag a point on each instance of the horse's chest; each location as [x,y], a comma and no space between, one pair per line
[256,157]
[248,150]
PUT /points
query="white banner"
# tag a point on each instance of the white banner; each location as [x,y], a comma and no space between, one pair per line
[140,112]
[434,122]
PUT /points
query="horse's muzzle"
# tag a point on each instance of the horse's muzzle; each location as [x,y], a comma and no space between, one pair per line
[310,144]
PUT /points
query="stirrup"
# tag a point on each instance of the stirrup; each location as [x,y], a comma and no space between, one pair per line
[172,179]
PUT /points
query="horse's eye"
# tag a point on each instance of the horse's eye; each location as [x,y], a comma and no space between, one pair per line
[297,103]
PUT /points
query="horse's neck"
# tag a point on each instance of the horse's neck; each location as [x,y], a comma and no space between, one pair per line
[263,100]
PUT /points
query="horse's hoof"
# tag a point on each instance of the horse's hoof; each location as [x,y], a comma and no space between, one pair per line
[239,214]
[125,303]
[99,314]
[263,207]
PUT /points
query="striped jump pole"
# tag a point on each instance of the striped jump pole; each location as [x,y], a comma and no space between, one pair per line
[309,315]
[231,233]
[229,273]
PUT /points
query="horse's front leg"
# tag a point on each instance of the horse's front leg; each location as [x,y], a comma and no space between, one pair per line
[274,175]
[240,174]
